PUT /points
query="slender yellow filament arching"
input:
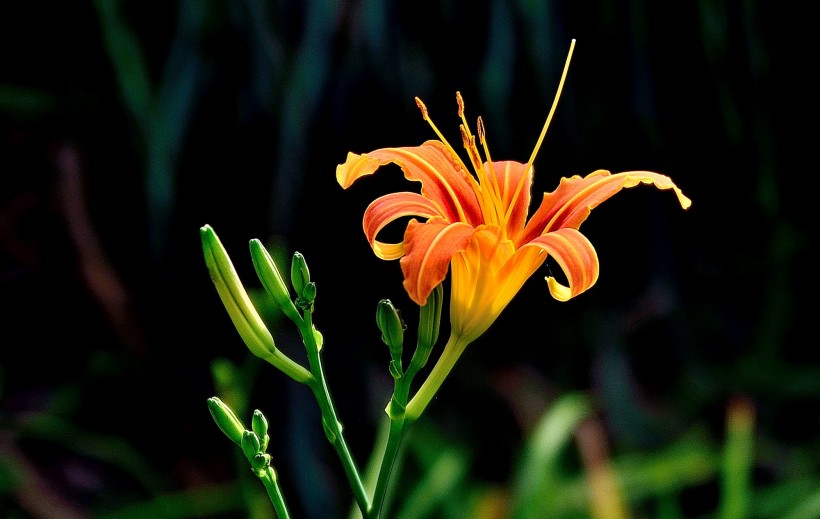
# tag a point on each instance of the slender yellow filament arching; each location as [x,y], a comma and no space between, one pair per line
[426,116]
[484,197]
[491,203]
[482,137]
[543,133]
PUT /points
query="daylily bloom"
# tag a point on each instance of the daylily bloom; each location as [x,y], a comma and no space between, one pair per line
[477,226]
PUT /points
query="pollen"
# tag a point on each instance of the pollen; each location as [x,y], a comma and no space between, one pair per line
[482,134]
[423,108]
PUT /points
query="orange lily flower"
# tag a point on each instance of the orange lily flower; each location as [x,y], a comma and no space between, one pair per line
[476,226]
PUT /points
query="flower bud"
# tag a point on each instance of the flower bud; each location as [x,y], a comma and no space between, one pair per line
[260,464]
[251,445]
[429,323]
[236,300]
[391,326]
[259,424]
[308,294]
[272,280]
[430,318]
[241,310]
[299,273]
[226,420]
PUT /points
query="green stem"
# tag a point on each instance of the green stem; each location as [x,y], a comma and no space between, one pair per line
[398,426]
[275,493]
[330,421]
[452,351]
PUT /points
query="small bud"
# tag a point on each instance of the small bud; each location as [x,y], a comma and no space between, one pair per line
[309,293]
[259,463]
[299,273]
[250,444]
[226,420]
[272,280]
[391,326]
[259,424]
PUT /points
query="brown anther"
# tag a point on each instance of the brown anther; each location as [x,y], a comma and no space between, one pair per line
[482,137]
[422,107]
[465,137]
[460,102]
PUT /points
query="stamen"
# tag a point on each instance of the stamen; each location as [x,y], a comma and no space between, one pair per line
[482,135]
[469,144]
[452,151]
[482,138]
[543,131]
[488,206]
[423,109]
[441,137]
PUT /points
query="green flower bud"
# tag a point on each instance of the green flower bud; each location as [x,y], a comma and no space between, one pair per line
[241,310]
[226,420]
[260,464]
[299,273]
[259,424]
[236,300]
[429,324]
[308,294]
[391,326]
[250,444]
[272,280]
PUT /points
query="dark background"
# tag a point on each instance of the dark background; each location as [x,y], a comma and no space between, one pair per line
[125,126]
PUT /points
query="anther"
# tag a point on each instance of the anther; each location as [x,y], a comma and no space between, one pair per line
[460,102]
[482,137]
[465,137]
[422,107]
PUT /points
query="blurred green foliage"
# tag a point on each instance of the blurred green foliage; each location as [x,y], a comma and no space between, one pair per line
[125,126]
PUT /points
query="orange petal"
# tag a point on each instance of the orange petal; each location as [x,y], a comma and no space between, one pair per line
[570,204]
[575,255]
[443,181]
[388,208]
[429,248]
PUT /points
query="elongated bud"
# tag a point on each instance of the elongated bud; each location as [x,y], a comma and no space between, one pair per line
[429,325]
[259,425]
[272,280]
[431,315]
[251,445]
[299,273]
[241,310]
[226,420]
[236,300]
[391,326]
